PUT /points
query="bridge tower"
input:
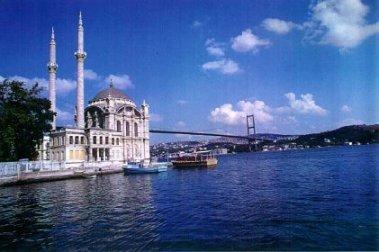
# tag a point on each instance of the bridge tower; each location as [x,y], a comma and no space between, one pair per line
[250,125]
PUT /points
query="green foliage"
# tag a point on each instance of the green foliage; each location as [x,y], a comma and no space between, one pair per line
[354,133]
[24,118]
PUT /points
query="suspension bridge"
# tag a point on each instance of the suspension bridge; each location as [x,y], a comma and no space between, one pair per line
[250,131]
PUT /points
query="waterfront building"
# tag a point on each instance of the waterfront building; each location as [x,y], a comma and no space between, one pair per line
[219,151]
[110,128]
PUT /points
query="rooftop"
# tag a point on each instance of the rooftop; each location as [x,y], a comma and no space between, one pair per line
[111,92]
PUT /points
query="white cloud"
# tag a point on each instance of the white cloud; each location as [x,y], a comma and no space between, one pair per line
[224,66]
[290,119]
[339,23]
[30,81]
[63,86]
[181,124]
[89,74]
[120,81]
[305,105]
[247,41]
[228,115]
[268,118]
[2,78]
[278,26]
[345,108]
[197,23]
[64,116]
[214,48]
[260,110]
[182,102]
[155,117]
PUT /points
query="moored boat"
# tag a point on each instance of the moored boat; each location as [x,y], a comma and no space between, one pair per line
[194,161]
[139,168]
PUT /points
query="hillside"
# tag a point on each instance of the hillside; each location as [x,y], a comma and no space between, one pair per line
[355,133]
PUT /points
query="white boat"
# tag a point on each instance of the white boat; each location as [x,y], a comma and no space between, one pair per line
[139,168]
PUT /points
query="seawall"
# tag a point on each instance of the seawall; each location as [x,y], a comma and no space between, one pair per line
[31,172]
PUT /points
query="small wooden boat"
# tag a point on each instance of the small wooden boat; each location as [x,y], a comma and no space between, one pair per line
[194,161]
[138,168]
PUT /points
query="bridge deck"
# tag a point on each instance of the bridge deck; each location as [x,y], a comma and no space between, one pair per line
[200,134]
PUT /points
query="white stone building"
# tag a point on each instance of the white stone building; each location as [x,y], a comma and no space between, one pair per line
[110,128]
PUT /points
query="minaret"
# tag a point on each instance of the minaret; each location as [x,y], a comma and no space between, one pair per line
[52,68]
[80,56]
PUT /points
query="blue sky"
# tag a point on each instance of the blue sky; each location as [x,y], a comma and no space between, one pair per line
[299,66]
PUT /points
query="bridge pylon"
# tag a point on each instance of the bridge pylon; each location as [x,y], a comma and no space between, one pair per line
[250,125]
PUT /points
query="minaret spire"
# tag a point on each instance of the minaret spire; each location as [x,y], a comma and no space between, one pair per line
[80,56]
[80,18]
[52,67]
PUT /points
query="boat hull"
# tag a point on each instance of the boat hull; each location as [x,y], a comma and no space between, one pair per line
[193,164]
[136,169]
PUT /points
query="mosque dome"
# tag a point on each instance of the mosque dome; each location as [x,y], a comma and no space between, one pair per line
[111,92]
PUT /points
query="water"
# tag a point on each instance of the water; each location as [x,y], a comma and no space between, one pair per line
[322,199]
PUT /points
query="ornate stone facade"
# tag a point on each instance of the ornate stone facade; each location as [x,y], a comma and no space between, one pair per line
[115,130]
[110,128]
[116,127]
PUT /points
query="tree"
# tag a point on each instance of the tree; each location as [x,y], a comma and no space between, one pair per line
[24,117]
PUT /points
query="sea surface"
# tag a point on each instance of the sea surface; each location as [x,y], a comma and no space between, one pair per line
[319,199]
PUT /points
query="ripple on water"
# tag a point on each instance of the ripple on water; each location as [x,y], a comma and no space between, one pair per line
[297,200]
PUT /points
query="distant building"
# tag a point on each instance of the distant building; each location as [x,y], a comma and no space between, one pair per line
[110,128]
[219,151]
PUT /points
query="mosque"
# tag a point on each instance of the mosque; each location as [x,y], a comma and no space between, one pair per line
[110,128]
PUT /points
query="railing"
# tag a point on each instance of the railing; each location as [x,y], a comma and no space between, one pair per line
[13,169]
[9,169]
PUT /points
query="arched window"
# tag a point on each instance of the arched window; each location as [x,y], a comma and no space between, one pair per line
[135,129]
[118,126]
[127,128]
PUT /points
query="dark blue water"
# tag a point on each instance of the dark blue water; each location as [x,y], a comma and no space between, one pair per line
[322,199]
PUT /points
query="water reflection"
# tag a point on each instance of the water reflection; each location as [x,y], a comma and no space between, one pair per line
[95,211]
[304,200]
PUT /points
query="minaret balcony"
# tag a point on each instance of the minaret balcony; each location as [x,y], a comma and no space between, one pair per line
[52,67]
[80,55]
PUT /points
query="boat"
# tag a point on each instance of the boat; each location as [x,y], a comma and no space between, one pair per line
[195,160]
[139,168]
[168,164]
